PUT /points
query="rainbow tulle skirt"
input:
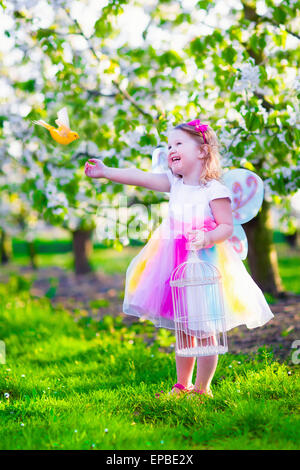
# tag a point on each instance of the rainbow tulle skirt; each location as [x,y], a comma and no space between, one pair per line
[148,293]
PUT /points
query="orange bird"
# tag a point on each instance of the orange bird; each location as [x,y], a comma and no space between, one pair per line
[62,134]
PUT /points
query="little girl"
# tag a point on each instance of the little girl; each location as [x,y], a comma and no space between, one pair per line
[199,212]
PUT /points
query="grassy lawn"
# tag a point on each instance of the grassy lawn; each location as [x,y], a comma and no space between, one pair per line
[92,385]
[107,260]
[69,384]
[289,262]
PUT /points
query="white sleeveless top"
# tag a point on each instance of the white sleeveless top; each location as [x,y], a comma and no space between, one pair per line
[189,203]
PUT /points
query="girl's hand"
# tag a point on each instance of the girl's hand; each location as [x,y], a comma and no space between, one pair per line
[95,171]
[199,239]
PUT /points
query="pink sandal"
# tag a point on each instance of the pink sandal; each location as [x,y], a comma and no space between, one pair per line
[194,392]
[181,388]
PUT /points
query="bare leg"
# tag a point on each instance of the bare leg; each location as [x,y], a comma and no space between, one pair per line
[206,367]
[185,365]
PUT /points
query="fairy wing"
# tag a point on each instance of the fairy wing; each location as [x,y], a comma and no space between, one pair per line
[63,118]
[160,160]
[247,190]
[239,241]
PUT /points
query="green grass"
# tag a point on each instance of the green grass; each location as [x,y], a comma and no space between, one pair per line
[92,385]
[107,260]
[289,267]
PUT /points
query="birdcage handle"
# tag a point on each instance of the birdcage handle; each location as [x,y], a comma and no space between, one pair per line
[192,249]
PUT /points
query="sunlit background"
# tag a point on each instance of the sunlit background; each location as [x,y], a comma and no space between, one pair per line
[132,24]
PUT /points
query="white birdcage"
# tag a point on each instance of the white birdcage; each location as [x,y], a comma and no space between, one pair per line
[198,306]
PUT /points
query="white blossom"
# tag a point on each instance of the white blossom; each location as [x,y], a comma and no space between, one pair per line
[63,175]
[281,138]
[249,77]
[57,211]
[296,84]
[249,150]
[286,172]
[262,111]
[54,197]
[294,116]
[40,184]
[225,137]
[21,4]
[74,222]
[292,3]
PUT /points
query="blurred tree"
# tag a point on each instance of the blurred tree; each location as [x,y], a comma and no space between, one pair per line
[234,66]
[5,252]
[17,219]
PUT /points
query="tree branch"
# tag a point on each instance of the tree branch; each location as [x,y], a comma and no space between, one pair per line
[250,14]
[124,93]
[129,98]
[266,104]
[100,93]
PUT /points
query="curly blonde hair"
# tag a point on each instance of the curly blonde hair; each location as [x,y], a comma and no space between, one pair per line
[212,164]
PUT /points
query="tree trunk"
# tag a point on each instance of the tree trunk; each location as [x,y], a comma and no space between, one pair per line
[292,240]
[82,248]
[5,247]
[32,254]
[262,256]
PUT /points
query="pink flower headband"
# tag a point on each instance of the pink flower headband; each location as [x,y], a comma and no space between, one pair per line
[199,127]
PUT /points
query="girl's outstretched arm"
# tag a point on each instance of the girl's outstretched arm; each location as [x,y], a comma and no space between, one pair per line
[131,176]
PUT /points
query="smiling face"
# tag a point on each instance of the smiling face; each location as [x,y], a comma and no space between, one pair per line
[184,157]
